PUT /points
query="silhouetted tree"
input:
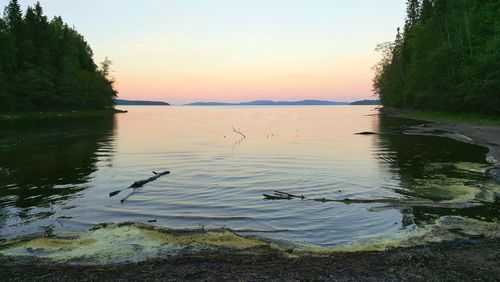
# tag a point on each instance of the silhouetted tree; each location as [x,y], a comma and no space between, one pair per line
[447,59]
[48,65]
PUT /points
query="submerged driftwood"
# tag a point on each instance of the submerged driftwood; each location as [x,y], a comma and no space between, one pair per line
[390,202]
[278,195]
[138,184]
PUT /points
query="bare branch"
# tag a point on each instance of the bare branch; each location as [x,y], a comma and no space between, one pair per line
[238,131]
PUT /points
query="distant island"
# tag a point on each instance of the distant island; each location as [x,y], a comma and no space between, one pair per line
[366,102]
[270,103]
[120,102]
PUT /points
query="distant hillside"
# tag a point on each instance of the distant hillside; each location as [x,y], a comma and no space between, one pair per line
[270,103]
[366,102]
[209,104]
[120,102]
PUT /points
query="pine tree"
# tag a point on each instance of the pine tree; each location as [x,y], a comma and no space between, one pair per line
[426,11]
[13,16]
[412,14]
[446,60]
[48,65]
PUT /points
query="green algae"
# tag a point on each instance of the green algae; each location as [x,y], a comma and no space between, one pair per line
[462,182]
[446,183]
[474,167]
[443,191]
[132,242]
[129,242]
[458,169]
[446,228]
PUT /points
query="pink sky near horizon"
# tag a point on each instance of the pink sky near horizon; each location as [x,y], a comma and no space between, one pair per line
[232,51]
[347,80]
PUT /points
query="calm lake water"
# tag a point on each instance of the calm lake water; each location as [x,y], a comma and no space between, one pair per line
[59,173]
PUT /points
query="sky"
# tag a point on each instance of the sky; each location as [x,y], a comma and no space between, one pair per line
[182,51]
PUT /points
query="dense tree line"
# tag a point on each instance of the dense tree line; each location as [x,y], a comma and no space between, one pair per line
[447,58]
[47,65]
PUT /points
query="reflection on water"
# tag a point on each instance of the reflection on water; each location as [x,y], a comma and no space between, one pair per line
[59,173]
[413,158]
[47,162]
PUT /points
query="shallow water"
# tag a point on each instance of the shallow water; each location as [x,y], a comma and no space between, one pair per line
[56,175]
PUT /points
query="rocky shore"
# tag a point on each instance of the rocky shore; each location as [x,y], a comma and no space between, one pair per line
[463,260]
[486,136]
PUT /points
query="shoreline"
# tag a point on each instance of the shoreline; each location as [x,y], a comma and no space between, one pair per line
[487,136]
[461,260]
[59,114]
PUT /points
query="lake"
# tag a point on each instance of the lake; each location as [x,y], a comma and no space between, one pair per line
[57,174]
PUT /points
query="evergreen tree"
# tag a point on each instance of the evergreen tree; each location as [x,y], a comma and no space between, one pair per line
[48,65]
[412,14]
[13,17]
[447,59]
[426,11]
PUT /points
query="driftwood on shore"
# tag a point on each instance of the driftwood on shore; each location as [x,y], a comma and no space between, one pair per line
[138,184]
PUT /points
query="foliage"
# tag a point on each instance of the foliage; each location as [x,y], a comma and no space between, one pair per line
[446,59]
[470,118]
[47,65]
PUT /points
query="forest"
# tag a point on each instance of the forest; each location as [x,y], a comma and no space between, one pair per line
[446,58]
[48,66]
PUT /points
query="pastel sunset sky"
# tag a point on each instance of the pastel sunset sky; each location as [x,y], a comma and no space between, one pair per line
[182,51]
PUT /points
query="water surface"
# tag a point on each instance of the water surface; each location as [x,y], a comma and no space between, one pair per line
[57,174]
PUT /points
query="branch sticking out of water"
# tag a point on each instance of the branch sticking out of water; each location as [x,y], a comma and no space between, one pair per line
[278,195]
[290,195]
[138,184]
[238,131]
[141,183]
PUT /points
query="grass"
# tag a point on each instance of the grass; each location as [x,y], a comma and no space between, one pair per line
[58,114]
[475,119]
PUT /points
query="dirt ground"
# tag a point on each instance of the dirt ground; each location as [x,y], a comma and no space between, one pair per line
[453,261]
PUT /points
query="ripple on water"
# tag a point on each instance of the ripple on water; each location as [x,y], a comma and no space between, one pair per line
[60,175]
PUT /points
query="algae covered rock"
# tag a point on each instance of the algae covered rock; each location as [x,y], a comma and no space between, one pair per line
[454,182]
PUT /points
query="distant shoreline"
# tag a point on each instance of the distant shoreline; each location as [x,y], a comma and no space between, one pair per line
[59,114]
[269,103]
[121,102]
